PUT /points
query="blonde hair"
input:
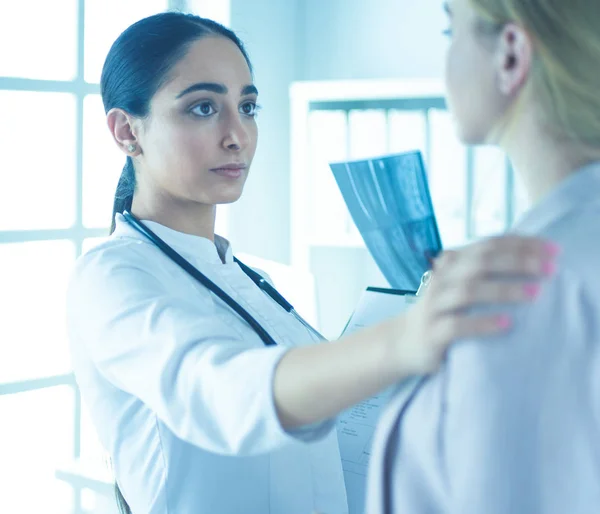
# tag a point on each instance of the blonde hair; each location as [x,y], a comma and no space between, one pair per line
[565,73]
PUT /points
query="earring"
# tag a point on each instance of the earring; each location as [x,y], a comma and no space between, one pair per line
[131,147]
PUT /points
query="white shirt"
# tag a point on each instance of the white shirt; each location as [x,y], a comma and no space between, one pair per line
[179,387]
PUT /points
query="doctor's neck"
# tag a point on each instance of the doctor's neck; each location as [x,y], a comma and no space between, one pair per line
[188,217]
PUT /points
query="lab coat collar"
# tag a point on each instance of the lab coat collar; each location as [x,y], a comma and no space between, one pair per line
[189,246]
[580,188]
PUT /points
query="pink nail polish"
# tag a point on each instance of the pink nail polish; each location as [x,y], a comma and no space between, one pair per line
[552,249]
[549,268]
[532,290]
[503,322]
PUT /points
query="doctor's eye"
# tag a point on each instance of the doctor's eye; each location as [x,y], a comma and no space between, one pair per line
[203,109]
[250,109]
[447,32]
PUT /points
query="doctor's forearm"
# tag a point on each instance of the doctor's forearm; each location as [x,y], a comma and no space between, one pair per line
[317,382]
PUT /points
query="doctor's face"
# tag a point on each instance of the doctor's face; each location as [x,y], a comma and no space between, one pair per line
[200,137]
[472,95]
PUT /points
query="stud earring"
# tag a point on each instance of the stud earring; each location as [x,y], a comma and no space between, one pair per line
[131,148]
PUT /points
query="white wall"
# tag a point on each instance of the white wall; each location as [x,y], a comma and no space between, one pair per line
[259,222]
[345,39]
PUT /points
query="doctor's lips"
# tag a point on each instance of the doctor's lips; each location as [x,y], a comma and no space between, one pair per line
[232,170]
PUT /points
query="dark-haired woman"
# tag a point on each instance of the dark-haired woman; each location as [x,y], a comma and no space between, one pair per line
[199,410]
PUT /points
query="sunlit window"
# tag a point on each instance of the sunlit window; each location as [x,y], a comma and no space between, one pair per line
[59,171]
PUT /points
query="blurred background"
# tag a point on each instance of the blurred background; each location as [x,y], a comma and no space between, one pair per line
[338,79]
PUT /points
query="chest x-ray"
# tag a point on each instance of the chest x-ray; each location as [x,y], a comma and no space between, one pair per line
[389,201]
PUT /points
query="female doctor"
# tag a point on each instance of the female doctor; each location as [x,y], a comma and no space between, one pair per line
[207,393]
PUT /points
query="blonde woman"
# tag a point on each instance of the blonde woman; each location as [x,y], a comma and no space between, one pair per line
[513,427]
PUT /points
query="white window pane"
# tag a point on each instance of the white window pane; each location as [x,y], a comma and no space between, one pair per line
[368,134]
[330,219]
[102,165]
[104,21]
[32,297]
[407,131]
[36,437]
[447,179]
[218,10]
[37,183]
[489,198]
[42,38]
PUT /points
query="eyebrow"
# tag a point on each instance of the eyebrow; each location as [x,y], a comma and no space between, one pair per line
[217,88]
[447,10]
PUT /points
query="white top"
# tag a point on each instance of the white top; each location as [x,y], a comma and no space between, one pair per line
[179,387]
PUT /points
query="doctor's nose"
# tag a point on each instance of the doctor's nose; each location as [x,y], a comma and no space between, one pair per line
[236,137]
[232,145]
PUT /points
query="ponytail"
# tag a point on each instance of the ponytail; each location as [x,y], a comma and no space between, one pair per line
[123,201]
[124,192]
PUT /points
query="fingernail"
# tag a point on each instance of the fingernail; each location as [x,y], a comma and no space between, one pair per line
[503,322]
[531,290]
[549,268]
[552,249]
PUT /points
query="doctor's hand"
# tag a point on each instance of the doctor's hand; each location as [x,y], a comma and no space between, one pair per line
[501,270]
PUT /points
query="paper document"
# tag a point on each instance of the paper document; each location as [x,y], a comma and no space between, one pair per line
[356,426]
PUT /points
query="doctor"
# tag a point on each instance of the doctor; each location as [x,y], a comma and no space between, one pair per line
[198,408]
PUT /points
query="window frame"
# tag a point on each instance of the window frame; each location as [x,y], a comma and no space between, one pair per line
[78,232]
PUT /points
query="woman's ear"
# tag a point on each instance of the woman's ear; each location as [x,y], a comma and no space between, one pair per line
[513,59]
[122,128]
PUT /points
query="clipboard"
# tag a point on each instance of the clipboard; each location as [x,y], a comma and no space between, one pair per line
[356,426]
[376,304]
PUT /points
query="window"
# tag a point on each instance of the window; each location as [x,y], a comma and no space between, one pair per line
[447,179]
[39,50]
[60,168]
[36,435]
[473,189]
[104,21]
[34,278]
[328,136]
[38,159]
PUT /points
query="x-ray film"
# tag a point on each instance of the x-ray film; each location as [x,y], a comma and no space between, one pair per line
[389,201]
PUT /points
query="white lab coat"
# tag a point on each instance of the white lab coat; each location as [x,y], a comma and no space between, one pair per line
[179,387]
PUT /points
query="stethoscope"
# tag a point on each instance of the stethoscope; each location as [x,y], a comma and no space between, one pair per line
[143,229]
